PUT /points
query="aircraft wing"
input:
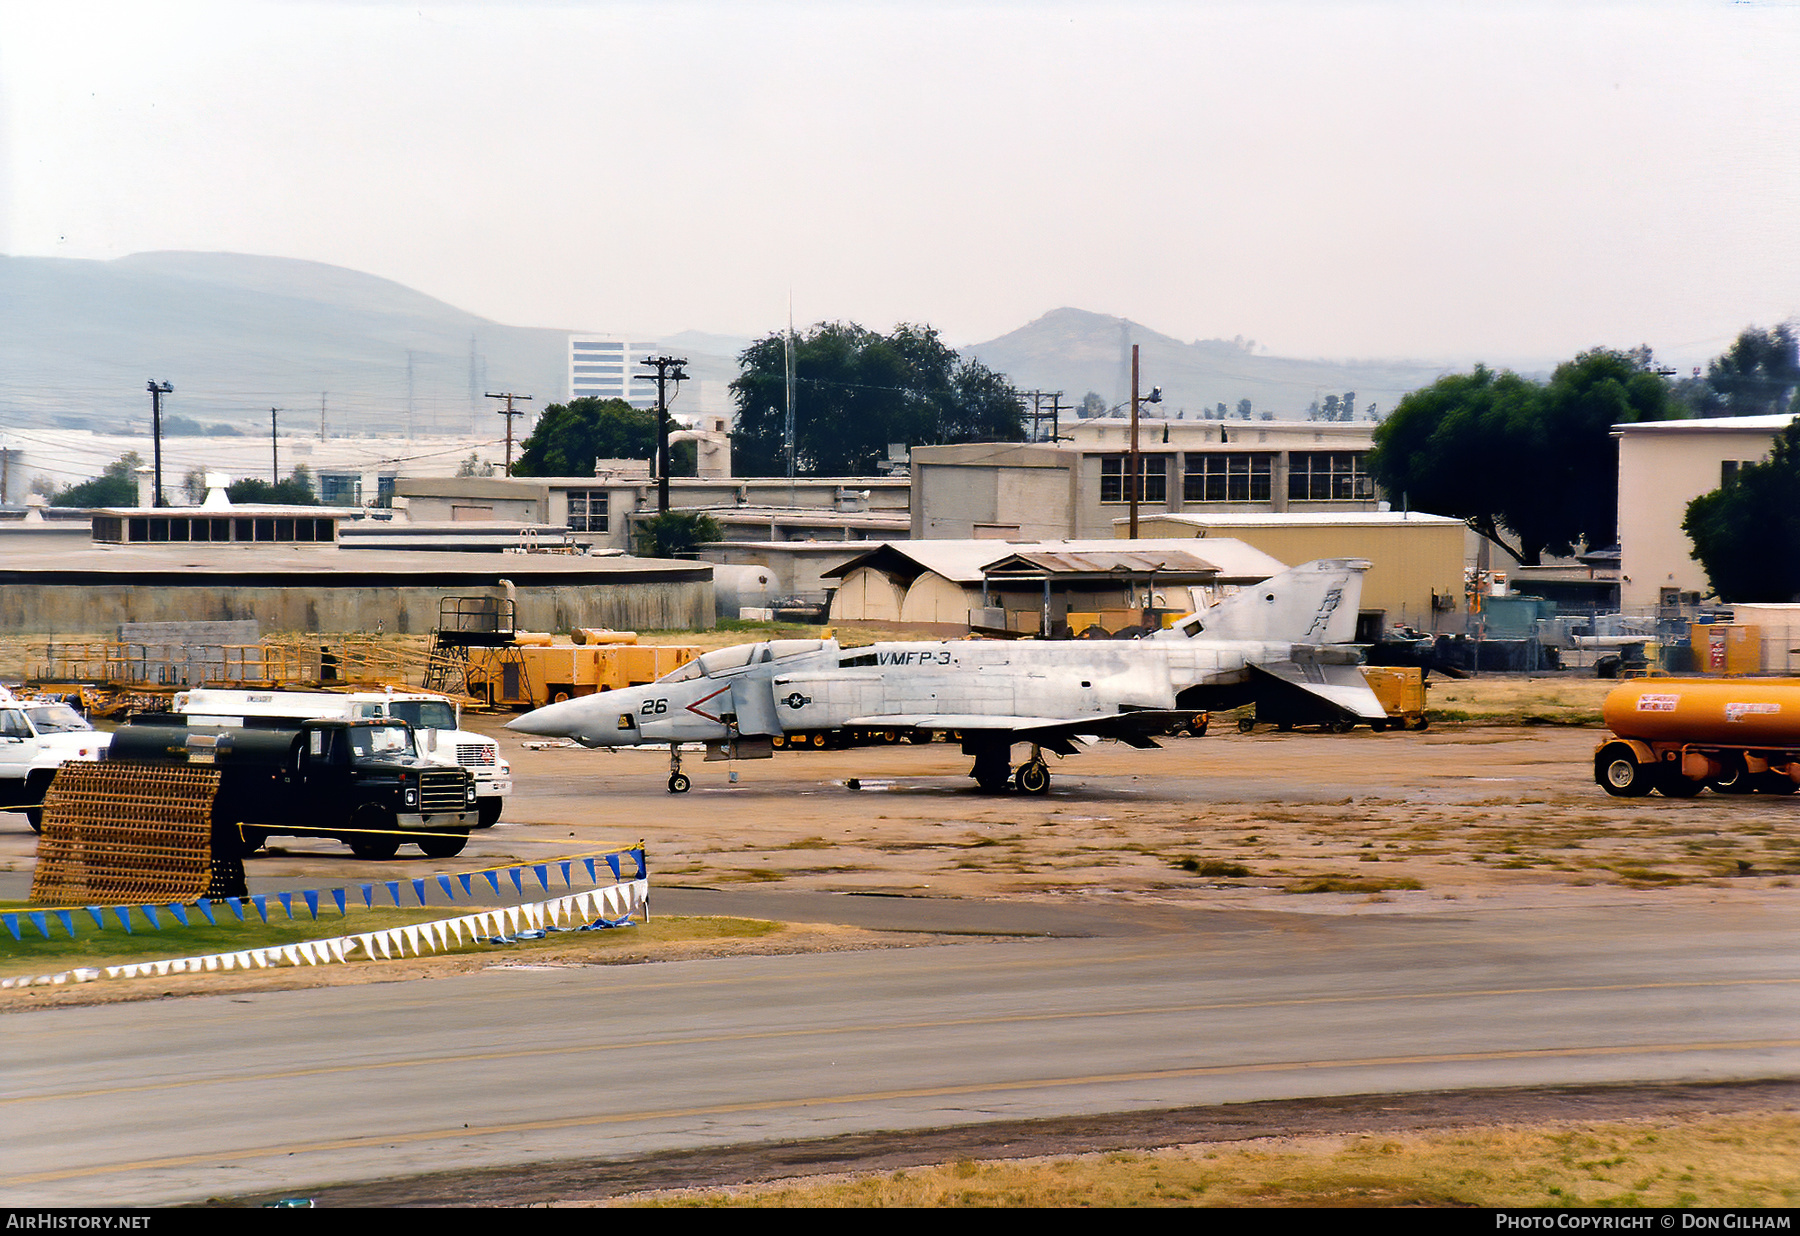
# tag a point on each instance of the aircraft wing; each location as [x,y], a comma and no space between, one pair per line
[1057,733]
[1341,686]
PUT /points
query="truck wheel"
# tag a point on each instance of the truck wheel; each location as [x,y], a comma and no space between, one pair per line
[447,846]
[34,816]
[1773,783]
[488,811]
[1617,770]
[1735,779]
[377,832]
[1671,784]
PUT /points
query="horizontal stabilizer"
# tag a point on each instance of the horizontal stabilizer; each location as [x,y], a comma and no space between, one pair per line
[1341,686]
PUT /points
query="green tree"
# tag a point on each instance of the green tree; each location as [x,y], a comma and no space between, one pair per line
[1532,467]
[673,533]
[1746,534]
[569,437]
[856,392]
[1758,375]
[296,490]
[115,486]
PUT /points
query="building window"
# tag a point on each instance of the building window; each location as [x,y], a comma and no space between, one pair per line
[1328,476]
[587,510]
[1153,483]
[340,489]
[1240,476]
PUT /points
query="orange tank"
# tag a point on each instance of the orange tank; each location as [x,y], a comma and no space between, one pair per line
[1733,712]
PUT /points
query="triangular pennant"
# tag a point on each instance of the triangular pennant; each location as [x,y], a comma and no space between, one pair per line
[542,872]
[513,917]
[212,962]
[412,938]
[287,902]
[366,943]
[566,864]
[393,888]
[385,940]
[98,915]
[305,949]
[593,878]
[493,878]
[124,918]
[339,948]
[368,892]
[456,929]
[149,912]
[237,907]
[643,869]
[612,860]
[419,889]
[463,879]
[40,922]
[441,930]
[162,968]
[179,911]
[444,883]
[337,895]
[518,887]
[261,902]
[206,909]
[312,902]
[290,954]
[68,922]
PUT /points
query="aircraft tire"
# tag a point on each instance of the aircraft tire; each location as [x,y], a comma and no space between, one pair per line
[1033,778]
[1246,724]
[679,783]
[34,816]
[1617,770]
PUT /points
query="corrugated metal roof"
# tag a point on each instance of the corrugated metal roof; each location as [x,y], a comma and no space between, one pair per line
[963,561]
[1095,562]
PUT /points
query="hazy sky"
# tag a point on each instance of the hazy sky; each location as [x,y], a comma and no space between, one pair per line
[1390,178]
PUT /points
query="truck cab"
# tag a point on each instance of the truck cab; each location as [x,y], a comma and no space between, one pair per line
[36,737]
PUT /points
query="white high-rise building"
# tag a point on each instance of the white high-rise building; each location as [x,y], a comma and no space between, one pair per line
[604,368]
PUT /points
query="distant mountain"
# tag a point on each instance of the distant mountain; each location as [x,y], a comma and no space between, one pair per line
[1075,352]
[237,335]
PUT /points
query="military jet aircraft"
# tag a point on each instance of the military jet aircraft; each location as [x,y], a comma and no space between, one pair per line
[1286,635]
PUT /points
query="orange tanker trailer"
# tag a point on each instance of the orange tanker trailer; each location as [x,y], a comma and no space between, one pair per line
[1679,736]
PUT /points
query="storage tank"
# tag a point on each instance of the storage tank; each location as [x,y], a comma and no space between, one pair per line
[1738,712]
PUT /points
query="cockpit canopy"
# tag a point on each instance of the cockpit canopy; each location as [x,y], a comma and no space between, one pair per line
[738,656]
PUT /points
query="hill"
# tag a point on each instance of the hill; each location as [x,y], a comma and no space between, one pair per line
[1074,351]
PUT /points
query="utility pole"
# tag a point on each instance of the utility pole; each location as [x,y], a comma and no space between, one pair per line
[668,369]
[274,449]
[157,391]
[1134,442]
[509,414]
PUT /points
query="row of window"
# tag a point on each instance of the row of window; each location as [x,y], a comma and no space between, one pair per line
[157,529]
[587,510]
[1241,476]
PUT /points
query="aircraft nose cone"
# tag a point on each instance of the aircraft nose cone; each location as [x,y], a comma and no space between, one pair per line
[551,721]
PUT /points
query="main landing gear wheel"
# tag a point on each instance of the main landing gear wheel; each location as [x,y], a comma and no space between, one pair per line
[1617,770]
[679,784]
[1033,778]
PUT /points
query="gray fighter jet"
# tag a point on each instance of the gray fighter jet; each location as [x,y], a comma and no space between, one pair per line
[1287,636]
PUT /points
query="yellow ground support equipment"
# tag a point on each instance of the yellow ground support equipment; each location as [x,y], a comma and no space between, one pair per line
[1401,690]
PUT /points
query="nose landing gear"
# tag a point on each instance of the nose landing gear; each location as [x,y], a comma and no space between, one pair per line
[678,782]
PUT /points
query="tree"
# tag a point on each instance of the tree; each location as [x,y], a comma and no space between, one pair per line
[569,438]
[1758,375]
[115,486]
[673,533]
[1532,465]
[297,490]
[1746,534]
[473,466]
[856,392]
[1092,404]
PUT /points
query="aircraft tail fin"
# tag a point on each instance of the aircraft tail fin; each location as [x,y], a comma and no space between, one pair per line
[1314,603]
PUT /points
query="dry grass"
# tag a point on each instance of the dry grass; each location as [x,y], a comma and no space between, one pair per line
[1719,1161]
